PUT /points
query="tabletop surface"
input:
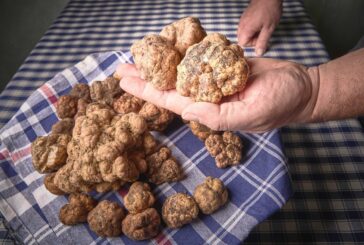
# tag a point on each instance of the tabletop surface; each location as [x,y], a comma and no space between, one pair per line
[325,160]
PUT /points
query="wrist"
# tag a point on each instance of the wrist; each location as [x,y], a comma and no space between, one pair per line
[314,76]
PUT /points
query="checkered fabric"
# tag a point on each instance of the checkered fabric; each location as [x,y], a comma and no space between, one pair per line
[325,160]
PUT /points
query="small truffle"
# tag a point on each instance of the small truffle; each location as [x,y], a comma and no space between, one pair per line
[225,148]
[183,33]
[66,106]
[138,198]
[64,126]
[178,210]
[105,219]
[127,103]
[157,60]
[77,209]
[201,131]
[105,91]
[162,167]
[210,195]
[51,186]
[81,91]
[49,153]
[212,69]
[157,118]
[142,226]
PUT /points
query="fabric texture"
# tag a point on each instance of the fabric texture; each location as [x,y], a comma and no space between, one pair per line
[324,160]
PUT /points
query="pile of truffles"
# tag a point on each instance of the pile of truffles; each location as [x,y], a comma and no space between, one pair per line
[103,140]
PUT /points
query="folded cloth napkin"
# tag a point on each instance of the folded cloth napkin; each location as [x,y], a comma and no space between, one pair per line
[258,187]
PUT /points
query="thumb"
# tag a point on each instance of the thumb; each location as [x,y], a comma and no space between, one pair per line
[226,116]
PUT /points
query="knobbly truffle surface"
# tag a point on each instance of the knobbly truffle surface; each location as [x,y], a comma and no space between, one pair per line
[162,167]
[50,186]
[81,91]
[64,126]
[178,210]
[225,148]
[127,103]
[201,131]
[210,195]
[142,226]
[156,59]
[49,153]
[157,118]
[105,91]
[138,198]
[183,33]
[212,69]
[66,106]
[77,209]
[106,218]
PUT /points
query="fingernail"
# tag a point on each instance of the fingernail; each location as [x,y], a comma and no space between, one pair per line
[259,51]
[190,117]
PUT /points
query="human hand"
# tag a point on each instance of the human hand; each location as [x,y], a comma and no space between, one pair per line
[278,93]
[258,22]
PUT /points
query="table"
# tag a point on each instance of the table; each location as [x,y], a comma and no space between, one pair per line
[325,160]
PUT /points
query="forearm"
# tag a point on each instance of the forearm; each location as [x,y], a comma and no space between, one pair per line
[339,86]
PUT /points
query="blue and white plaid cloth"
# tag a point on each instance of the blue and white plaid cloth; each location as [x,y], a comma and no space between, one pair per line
[258,187]
[325,160]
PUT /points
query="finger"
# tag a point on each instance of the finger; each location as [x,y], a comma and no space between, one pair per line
[262,41]
[245,35]
[169,100]
[226,116]
[126,70]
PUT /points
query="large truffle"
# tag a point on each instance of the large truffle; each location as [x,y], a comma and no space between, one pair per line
[77,209]
[183,33]
[105,219]
[138,198]
[162,167]
[157,118]
[142,226]
[178,210]
[226,148]
[212,69]
[156,59]
[49,153]
[210,195]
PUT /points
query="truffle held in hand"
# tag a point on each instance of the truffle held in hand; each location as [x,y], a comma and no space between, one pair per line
[162,167]
[49,153]
[184,33]
[212,69]
[138,198]
[225,148]
[210,195]
[142,226]
[105,219]
[77,209]
[156,59]
[179,209]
